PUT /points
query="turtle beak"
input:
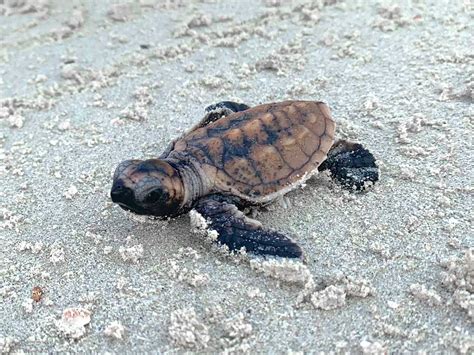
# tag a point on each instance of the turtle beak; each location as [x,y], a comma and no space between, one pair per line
[125,198]
[121,194]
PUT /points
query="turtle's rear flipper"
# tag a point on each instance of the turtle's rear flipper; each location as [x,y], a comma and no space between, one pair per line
[237,231]
[351,164]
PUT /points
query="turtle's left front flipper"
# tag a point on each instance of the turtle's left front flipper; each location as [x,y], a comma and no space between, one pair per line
[237,230]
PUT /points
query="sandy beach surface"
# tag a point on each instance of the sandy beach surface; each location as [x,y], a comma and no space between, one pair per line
[85,85]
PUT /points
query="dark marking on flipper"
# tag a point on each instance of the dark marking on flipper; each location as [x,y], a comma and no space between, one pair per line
[351,164]
[239,231]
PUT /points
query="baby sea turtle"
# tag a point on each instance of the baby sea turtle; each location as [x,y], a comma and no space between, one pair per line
[239,156]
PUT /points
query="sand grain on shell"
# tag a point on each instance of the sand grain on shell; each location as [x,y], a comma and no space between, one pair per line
[84,87]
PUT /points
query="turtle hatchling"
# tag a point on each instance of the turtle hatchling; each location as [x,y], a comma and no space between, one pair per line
[239,156]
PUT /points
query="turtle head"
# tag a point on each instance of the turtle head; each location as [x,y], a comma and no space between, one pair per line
[148,187]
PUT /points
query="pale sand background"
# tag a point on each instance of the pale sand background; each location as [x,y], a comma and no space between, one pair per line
[88,84]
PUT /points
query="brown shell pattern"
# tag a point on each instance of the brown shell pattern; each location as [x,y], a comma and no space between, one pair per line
[264,149]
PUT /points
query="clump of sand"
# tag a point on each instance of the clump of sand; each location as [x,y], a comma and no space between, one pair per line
[131,254]
[115,330]
[73,321]
[187,330]
[459,280]
[282,269]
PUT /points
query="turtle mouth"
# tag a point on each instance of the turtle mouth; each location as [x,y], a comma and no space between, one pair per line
[134,209]
[124,197]
[141,211]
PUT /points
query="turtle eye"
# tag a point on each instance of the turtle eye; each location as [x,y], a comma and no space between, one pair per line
[155,196]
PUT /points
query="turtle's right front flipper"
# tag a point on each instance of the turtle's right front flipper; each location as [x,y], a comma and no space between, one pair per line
[238,231]
[212,114]
[222,109]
